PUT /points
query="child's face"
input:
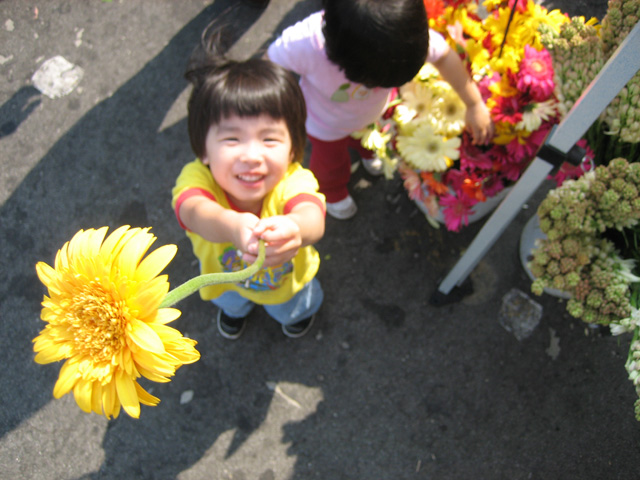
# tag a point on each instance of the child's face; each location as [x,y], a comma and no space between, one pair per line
[248,156]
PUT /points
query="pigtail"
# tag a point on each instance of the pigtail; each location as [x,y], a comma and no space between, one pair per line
[209,55]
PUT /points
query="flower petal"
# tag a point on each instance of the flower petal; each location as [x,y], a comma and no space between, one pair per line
[155,262]
[125,386]
[166,315]
[69,375]
[110,403]
[145,397]
[82,391]
[145,337]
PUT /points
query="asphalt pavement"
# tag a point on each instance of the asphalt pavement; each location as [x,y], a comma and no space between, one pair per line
[385,386]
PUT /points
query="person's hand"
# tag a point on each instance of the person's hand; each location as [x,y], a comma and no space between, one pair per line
[282,239]
[243,236]
[479,123]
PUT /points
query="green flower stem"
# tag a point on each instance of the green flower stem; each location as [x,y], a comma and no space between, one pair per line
[192,286]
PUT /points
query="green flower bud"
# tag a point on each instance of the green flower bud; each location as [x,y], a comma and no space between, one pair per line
[575,308]
[537,287]
[559,283]
[594,299]
[572,279]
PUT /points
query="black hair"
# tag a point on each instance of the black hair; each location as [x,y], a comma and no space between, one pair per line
[223,87]
[378,43]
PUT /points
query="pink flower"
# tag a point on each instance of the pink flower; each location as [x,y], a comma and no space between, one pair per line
[412,183]
[453,178]
[456,211]
[492,186]
[473,156]
[536,74]
[513,170]
[520,5]
[484,84]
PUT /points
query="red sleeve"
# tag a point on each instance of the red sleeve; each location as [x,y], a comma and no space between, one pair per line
[301,198]
[191,192]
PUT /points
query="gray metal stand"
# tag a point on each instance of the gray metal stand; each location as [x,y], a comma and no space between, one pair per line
[615,74]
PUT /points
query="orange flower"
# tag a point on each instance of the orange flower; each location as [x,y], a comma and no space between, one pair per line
[434,8]
[473,189]
[435,186]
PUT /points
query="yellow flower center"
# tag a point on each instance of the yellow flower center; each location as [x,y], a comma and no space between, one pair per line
[97,322]
[433,147]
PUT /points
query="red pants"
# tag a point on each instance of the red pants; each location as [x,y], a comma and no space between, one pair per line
[330,162]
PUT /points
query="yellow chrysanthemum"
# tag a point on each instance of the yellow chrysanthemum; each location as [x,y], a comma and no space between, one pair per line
[539,15]
[103,316]
[478,56]
[427,151]
[472,27]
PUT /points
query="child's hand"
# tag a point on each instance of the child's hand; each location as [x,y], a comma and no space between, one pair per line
[479,121]
[282,238]
[244,224]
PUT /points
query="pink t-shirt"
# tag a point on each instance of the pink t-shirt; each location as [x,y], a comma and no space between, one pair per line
[336,107]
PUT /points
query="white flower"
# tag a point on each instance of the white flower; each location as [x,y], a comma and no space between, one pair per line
[417,100]
[540,112]
[426,150]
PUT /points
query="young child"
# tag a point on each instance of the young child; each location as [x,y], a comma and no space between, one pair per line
[246,126]
[348,57]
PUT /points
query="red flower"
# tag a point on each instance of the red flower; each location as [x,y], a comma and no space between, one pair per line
[472,188]
[434,8]
[507,109]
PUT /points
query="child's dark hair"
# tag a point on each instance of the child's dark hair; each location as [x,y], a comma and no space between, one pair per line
[378,43]
[223,87]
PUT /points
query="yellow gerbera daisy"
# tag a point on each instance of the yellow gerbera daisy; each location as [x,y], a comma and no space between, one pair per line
[426,150]
[103,316]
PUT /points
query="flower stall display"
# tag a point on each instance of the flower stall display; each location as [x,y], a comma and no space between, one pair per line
[422,135]
[592,248]
[591,221]
[579,50]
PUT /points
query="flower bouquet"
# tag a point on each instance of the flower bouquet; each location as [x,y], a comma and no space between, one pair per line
[106,313]
[423,136]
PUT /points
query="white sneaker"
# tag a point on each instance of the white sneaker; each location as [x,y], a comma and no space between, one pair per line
[342,210]
[374,166]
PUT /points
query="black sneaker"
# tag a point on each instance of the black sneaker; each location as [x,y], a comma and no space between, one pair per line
[296,330]
[230,327]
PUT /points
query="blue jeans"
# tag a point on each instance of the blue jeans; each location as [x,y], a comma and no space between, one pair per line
[303,304]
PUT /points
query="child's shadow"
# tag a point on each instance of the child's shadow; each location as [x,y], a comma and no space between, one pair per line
[117,166]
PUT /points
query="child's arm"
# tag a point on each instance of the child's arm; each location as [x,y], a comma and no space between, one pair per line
[285,234]
[477,117]
[217,224]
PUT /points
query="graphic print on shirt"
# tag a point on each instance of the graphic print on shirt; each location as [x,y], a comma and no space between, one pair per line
[342,95]
[265,279]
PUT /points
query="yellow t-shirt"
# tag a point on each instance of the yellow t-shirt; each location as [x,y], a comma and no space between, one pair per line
[269,286]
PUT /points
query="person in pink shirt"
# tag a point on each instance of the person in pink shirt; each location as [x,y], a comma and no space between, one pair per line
[349,56]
